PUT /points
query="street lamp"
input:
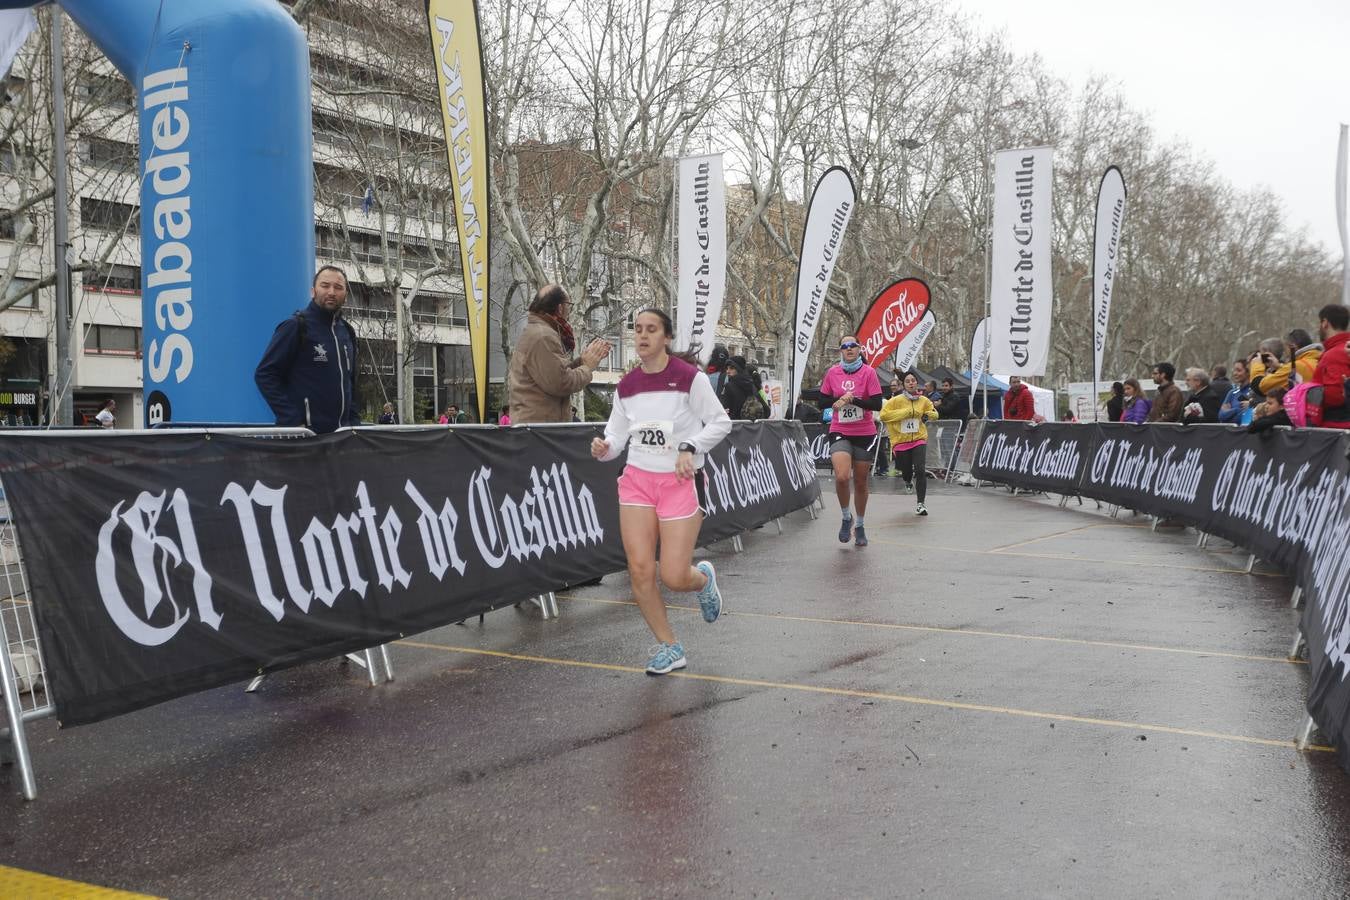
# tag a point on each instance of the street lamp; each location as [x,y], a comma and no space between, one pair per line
[905,145]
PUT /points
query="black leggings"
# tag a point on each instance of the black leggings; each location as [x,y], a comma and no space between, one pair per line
[912,468]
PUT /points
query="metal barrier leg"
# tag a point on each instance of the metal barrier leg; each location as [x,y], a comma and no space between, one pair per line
[1064,500]
[255,683]
[1115,510]
[1251,562]
[14,713]
[1297,596]
[811,510]
[1297,648]
[541,601]
[552,600]
[388,666]
[1305,735]
[1199,538]
[779,523]
[737,544]
[370,667]
[1154,526]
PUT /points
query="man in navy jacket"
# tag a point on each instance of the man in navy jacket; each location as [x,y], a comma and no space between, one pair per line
[308,372]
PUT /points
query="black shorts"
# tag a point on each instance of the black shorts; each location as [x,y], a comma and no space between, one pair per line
[861,446]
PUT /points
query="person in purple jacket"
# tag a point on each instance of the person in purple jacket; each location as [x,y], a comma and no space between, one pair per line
[1136,404]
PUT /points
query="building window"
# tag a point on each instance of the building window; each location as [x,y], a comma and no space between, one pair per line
[118,156]
[17,286]
[330,129]
[113,340]
[424,361]
[115,279]
[109,215]
[105,90]
[367,247]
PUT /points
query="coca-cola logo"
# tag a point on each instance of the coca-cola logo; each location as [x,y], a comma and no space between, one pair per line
[892,316]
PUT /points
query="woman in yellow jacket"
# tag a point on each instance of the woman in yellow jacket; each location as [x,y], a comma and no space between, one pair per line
[905,415]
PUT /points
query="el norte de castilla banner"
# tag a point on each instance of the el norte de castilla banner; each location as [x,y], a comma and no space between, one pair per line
[1110,220]
[702,252]
[251,554]
[827,217]
[458,61]
[1021,288]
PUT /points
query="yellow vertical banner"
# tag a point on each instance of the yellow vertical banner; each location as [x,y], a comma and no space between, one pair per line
[458,60]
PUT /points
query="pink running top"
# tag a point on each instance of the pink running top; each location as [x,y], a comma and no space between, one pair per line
[864,383]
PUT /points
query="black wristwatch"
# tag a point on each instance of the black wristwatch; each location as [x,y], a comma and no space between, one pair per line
[687,447]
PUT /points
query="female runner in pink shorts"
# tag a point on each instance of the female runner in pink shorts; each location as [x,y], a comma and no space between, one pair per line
[667,414]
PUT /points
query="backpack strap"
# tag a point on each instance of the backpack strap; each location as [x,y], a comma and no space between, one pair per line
[300,330]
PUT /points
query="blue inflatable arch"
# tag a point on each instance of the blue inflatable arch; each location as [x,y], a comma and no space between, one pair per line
[227,190]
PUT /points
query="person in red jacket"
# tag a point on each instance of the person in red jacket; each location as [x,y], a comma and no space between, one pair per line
[1017,402]
[1334,366]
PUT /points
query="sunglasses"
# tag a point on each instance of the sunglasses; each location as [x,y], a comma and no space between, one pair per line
[849,345]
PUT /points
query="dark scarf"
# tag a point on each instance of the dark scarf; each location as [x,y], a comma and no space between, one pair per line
[569,340]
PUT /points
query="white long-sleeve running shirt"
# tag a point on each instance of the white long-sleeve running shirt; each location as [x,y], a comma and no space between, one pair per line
[659,411]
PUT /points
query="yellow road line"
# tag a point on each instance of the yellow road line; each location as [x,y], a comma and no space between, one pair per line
[1046,537]
[21,883]
[877,695]
[819,620]
[1083,559]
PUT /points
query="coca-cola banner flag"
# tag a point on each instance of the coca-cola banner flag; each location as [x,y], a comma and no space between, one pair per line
[827,218]
[1105,260]
[907,354]
[247,554]
[1021,290]
[1283,495]
[703,252]
[893,315]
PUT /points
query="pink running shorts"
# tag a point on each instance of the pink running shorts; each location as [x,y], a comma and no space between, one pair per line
[671,497]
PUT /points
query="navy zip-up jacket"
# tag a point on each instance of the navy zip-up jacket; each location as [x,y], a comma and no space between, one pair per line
[315,364]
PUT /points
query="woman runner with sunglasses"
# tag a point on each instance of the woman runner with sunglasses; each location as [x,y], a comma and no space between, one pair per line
[668,415]
[853,389]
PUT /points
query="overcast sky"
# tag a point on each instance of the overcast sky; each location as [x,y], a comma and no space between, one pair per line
[1259,88]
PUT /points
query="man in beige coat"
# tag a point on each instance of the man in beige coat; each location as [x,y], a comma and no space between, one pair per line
[543,375]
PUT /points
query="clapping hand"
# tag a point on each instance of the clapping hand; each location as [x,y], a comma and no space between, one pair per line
[595,351]
[599,448]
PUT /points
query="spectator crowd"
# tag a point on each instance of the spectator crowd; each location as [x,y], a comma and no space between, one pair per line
[1295,380]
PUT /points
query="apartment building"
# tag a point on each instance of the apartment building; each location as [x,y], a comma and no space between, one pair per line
[380,213]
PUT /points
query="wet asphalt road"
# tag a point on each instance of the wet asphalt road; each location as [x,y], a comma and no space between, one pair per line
[1004,699]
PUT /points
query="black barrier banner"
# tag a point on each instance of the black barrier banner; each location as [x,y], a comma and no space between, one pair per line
[1037,458]
[1284,495]
[165,563]
[818,441]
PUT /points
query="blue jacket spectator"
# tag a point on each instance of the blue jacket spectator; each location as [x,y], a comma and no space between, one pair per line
[1232,410]
[307,375]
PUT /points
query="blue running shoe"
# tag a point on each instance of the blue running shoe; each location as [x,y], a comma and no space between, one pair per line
[668,658]
[846,529]
[860,536]
[709,597]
